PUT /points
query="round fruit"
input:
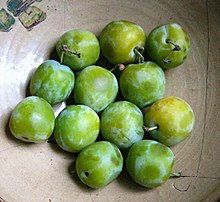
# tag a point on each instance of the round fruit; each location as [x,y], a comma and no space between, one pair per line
[142,84]
[99,164]
[76,127]
[95,87]
[121,41]
[122,124]
[32,120]
[174,119]
[78,49]
[168,45]
[52,81]
[149,163]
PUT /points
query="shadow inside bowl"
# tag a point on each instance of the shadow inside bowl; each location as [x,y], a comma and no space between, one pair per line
[125,181]
[73,175]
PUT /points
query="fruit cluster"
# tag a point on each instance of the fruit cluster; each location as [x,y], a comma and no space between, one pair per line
[97,109]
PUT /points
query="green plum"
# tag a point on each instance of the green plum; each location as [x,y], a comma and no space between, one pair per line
[150,163]
[78,49]
[32,120]
[122,124]
[52,81]
[168,45]
[98,164]
[122,41]
[174,120]
[95,87]
[76,127]
[142,84]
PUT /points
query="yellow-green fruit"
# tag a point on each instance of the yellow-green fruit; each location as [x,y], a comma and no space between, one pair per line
[76,127]
[32,120]
[168,45]
[150,163]
[99,164]
[78,49]
[174,119]
[120,39]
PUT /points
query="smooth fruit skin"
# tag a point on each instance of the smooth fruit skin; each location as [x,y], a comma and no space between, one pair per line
[118,40]
[80,41]
[161,50]
[142,84]
[52,81]
[99,164]
[122,124]
[174,118]
[95,87]
[150,163]
[76,127]
[32,120]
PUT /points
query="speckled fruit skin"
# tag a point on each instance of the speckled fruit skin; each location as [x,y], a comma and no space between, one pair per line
[173,116]
[95,87]
[80,41]
[150,163]
[122,124]
[76,127]
[99,164]
[32,120]
[142,84]
[159,49]
[118,40]
[52,81]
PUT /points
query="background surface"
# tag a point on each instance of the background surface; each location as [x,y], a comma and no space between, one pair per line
[42,172]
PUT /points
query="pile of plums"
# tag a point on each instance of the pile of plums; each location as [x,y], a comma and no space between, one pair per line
[141,137]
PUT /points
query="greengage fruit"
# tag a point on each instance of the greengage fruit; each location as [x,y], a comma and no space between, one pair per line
[78,49]
[98,164]
[32,120]
[168,45]
[149,163]
[52,81]
[174,120]
[76,127]
[95,87]
[142,84]
[122,41]
[122,124]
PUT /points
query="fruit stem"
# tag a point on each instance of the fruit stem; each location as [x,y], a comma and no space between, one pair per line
[139,51]
[146,129]
[176,48]
[121,67]
[65,49]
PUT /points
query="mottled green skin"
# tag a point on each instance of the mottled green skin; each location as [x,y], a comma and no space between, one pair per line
[99,164]
[118,40]
[76,127]
[150,163]
[52,81]
[173,116]
[32,120]
[95,87]
[158,48]
[122,124]
[142,84]
[80,41]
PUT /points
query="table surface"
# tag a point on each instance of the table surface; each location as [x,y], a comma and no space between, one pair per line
[43,172]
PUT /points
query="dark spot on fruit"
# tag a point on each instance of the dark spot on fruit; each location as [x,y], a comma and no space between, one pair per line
[86,174]
[165,60]
[114,160]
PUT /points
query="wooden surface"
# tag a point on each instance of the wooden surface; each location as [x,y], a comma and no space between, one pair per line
[42,172]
